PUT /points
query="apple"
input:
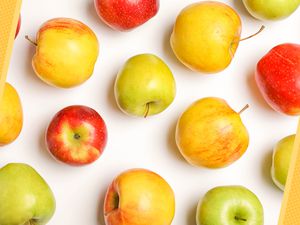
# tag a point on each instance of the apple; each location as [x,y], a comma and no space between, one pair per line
[77,135]
[206,36]
[144,86]
[124,15]
[211,134]
[230,205]
[282,155]
[139,197]
[66,52]
[278,77]
[25,196]
[11,116]
[18,27]
[272,9]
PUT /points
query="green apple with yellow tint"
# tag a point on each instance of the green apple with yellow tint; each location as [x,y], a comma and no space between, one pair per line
[66,52]
[230,205]
[25,197]
[211,134]
[144,86]
[282,155]
[271,9]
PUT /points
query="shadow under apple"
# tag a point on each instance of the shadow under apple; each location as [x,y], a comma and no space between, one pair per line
[256,92]
[100,215]
[266,168]
[191,216]
[172,146]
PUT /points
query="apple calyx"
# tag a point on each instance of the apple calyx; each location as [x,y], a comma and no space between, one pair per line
[239,219]
[28,223]
[253,35]
[244,109]
[77,136]
[31,41]
[115,203]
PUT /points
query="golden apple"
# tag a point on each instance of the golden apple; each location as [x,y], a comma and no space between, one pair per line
[66,53]
[139,197]
[211,134]
[11,116]
[206,35]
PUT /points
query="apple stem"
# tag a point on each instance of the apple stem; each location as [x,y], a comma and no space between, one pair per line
[238,218]
[244,109]
[28,223]
[147,110]
[251,36]
[31,41]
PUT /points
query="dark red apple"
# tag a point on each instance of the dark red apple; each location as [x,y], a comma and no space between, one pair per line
[125,15]
[77,135]
[18,27]
[278,78]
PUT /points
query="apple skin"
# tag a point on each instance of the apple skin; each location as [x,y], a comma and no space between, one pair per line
[211,134]
[124,15]
[77,135]
[271,9]
[25,196]
[11,116]
[230,205]
[206,36]
[66,53]
[278,76]
[18,27]
[282,155]
[144,82]
[139,197]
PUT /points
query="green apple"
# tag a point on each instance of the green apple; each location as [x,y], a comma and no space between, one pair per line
[281,160]
[230,205]
[144,86]
[25,197]
[271,9]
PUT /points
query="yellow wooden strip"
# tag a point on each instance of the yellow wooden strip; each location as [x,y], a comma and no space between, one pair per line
[9,16]
[290,211]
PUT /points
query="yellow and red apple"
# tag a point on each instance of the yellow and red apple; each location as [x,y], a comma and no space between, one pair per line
[77,135]
[211,134]
[139,197]
[66,52]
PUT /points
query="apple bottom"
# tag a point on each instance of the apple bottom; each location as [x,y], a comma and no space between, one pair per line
[77,135]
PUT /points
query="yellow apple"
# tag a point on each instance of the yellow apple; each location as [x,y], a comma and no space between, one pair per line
[206,35]
[66,53]
[211,134]
[11,116]
[139,197]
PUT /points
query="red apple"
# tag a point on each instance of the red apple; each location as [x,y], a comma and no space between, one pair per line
[18,27]
[278,78]
[125,15]
[77,135]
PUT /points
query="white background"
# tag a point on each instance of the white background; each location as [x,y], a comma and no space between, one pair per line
[147,143]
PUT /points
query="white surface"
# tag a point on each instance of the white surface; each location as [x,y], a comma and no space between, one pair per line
[147,143]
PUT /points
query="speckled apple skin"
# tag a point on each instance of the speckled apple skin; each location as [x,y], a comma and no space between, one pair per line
[278,78]
[124,15]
